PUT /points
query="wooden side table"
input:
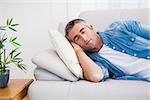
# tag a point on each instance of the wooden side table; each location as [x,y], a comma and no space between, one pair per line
[16,89]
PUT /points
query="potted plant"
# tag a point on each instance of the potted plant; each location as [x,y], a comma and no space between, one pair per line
[9,51]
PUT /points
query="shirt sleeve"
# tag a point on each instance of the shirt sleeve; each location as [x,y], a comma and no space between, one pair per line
[137,28]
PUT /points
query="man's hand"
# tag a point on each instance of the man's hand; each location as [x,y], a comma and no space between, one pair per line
[91,70]
[76,47]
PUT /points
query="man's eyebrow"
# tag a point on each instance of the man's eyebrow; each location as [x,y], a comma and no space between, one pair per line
[82,29]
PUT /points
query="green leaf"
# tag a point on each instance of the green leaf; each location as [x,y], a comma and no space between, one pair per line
[1,44]
[17,54]
[4,39]
[7,22]
[22,66]
[1,53]
[4,55]
[20,61]
[3,36]
[17,44]
[10,21]
[14,24]
[14,61]
[8,62]
[14,39]
[10,40]
[12,29]
[2,27]
[16,58]
[12,52]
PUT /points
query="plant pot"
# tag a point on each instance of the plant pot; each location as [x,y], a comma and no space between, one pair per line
[4,77]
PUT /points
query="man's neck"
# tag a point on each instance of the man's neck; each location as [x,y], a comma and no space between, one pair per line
[100,44]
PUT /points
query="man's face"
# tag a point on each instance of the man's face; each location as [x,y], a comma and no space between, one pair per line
[84,36]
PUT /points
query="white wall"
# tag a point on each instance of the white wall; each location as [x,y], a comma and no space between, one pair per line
[34,17]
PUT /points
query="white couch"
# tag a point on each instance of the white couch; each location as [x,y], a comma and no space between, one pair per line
[65,86]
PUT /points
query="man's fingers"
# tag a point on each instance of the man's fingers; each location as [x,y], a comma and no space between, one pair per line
[72,43]
[76,46]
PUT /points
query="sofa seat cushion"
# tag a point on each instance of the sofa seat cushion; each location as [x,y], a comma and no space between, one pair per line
[85,90]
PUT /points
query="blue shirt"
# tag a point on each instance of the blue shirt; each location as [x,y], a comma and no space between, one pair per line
[129,37]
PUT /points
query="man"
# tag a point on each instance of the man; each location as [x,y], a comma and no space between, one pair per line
[122,51]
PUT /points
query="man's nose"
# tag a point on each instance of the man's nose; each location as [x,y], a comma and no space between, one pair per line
[85,38]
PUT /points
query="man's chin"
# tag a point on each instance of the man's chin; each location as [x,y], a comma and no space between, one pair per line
[89,50]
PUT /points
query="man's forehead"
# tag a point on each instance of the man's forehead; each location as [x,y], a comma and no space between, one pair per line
[76,29]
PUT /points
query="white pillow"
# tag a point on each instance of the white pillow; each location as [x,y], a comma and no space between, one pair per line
[49,60]
[66,52]
[45,75]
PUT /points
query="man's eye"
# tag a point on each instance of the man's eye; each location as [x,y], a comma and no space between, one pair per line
[76,38]
[83,32]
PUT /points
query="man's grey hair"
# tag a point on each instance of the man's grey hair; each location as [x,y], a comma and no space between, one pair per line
[71,24]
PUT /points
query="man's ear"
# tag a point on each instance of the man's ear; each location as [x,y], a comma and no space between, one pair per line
[91,27]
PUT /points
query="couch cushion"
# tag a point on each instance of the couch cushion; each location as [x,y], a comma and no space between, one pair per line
[111,90]
[45,75]
[50,61]
[66,52]
[102,18]
[85,90]
[48,90]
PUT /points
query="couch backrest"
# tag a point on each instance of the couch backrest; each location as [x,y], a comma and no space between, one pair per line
[100,19]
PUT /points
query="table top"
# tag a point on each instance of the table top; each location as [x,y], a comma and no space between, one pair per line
[14,87]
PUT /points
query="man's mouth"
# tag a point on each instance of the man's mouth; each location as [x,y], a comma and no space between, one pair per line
[88,42]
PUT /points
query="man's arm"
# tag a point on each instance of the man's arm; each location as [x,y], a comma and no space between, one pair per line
[91,70]
[137,28]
